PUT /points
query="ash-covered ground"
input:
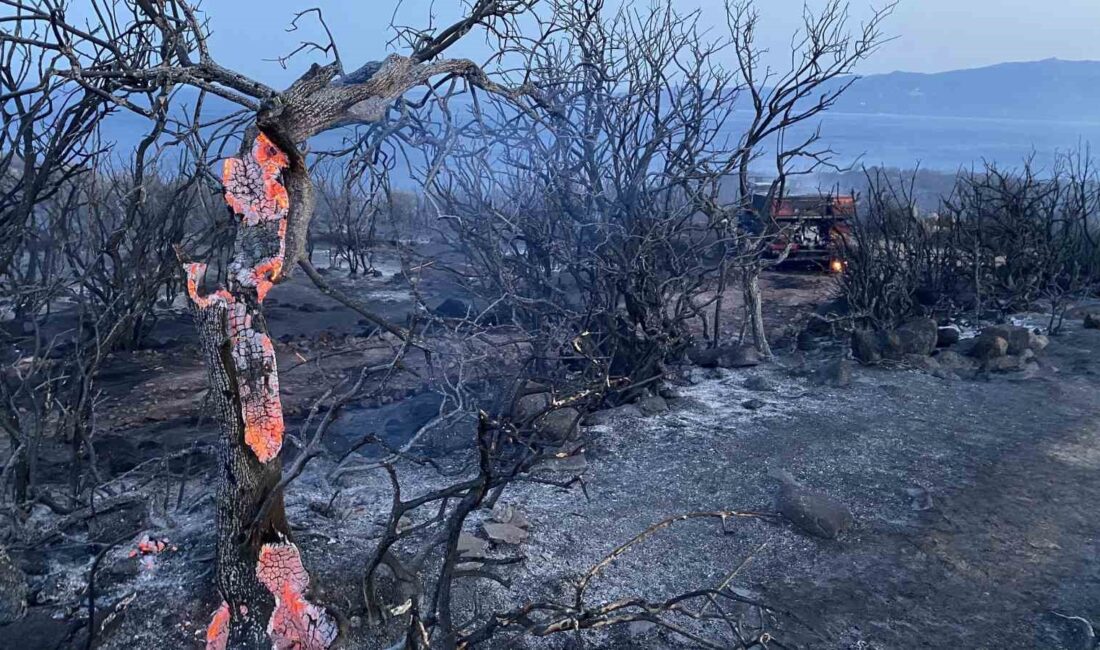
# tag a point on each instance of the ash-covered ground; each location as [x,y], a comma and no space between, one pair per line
[974,502]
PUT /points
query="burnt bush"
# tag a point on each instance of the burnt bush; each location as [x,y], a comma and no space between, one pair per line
[1003,241]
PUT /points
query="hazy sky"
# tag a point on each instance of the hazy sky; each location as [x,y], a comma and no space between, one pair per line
[932,35]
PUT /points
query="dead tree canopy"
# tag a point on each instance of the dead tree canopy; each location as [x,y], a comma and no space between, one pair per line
[140,52]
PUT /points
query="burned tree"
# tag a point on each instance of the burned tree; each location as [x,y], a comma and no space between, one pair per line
[133,57]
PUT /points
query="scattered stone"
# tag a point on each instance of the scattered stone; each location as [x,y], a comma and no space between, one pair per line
[988,347]
[836,373]
[922,362]
[865,347]
[471,547]
[1019,338]
[947,336]
[509,514]
[732,356]
[452,308]
[13,590]
[606,416]
[559,424]
[760,384]
[505,533]
[754,404]
[1037,342]
[918,336]
[1092,321]
[812,512]
[529,405]
[920,498]
[653,405]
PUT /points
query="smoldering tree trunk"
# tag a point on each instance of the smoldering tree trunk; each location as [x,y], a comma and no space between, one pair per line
[260,575]
[242,488]
[754,309]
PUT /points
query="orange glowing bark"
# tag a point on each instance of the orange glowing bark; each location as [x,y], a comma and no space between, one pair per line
[263,584]
[253,191]
[296,623]
[217,635]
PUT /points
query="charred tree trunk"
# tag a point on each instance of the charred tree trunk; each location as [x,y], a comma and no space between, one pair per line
[754,308]
[260,575]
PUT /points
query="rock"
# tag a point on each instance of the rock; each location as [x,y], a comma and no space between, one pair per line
[918,336]
[754,404]
[865,347]
[806,341]
[505,533]
[951,360]
[760,384]
[731,356]
[509,514]
[920,499]
[13,590]
[1092,321]
[922,362]
[471,547]
[559,424]
[1037,342]
[1019,338]
[947,336]
[531,405]
[988,347]
[1007,363]
[606,416]
[812,512]
[653,405]
[890,345]
[452,308]
[836,373]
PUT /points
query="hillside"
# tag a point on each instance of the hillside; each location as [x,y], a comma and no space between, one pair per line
[1038,90]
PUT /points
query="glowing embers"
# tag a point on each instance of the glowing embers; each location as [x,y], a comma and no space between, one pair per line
[252,186]
[217,634]
[296,623]
[257,384]
[195,273]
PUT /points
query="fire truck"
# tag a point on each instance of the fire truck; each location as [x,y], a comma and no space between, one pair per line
[804,229]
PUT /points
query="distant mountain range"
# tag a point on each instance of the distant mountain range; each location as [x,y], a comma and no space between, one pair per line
[1037,90]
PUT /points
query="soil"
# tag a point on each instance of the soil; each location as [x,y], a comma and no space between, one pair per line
[996,549]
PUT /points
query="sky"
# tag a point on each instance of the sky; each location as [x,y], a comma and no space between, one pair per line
[929,35]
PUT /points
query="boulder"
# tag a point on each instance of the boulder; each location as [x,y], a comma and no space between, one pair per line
[836,373]
[13,590]
[1019,338]
[653,405]
[452,308]
[558,424]
[812,512]
[988,347]
[754,404]
[1037,342]
[1092,321]
[865,347]
[530,405]
[606,416]
[731,356]
[947,336]
[951,360]
[918,336]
